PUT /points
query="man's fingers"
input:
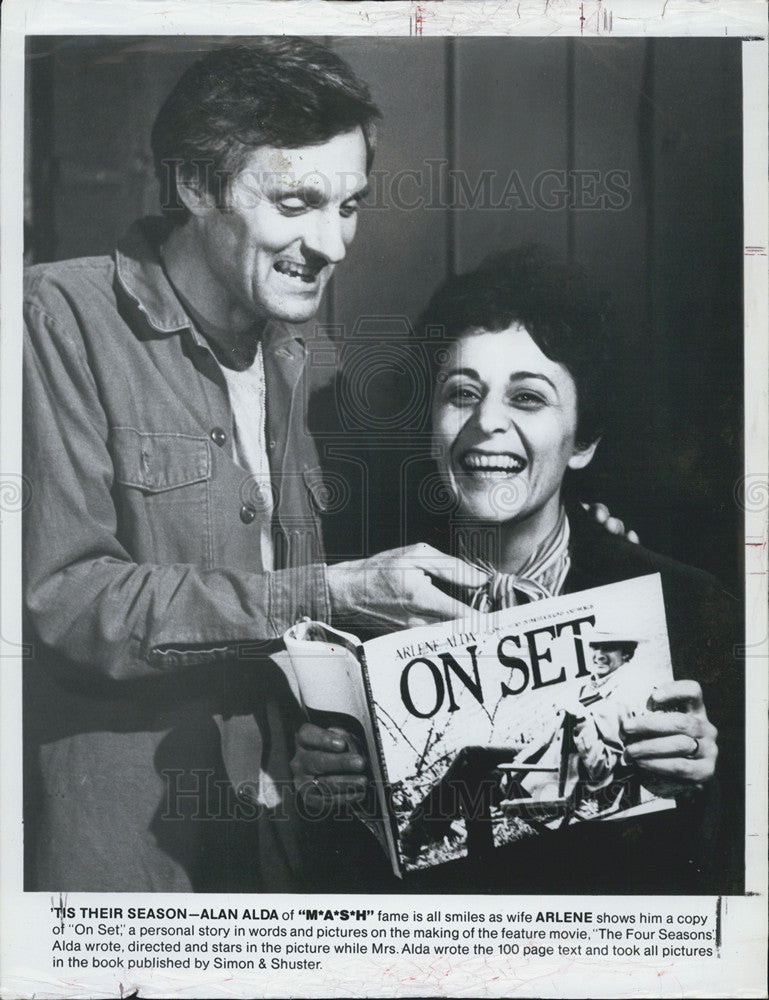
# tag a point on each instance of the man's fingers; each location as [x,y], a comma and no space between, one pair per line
[445,567]
[601,514]
[665,746]
[687,694]
[598,511]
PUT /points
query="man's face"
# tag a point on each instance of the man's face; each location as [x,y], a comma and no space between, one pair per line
[607,659]
[290,217]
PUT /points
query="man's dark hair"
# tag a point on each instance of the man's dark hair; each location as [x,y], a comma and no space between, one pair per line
[560,307]
[285,92]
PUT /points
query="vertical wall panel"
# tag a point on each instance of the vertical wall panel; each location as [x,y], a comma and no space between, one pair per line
[609,201]
[398,257]
[697,286]
[612,184]
[511,107]
[397,260]
[103,158]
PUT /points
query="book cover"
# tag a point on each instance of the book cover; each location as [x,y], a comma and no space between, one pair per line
[496,727]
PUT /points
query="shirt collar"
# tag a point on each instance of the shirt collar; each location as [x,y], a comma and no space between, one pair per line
[141,276]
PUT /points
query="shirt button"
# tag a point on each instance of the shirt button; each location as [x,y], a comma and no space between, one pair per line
[273,443]
[247,514]
[218,436]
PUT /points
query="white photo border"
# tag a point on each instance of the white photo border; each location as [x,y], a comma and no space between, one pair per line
[25,917]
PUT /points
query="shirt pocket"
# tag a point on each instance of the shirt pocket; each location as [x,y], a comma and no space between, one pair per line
[163,494]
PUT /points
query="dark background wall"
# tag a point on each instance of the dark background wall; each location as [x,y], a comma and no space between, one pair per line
[667,112]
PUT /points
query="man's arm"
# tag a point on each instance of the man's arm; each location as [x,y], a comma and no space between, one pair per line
[103,610]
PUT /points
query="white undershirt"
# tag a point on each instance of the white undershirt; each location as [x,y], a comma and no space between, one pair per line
[249,444]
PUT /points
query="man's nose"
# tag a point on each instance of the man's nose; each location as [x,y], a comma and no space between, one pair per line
[323,235]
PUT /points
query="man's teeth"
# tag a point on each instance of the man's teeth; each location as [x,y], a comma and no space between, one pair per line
[308,274]
[493,463]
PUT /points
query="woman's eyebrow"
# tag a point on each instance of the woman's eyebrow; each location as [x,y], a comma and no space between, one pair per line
[520,376]
[466,372]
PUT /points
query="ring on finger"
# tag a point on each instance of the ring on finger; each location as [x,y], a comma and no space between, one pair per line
[695,751]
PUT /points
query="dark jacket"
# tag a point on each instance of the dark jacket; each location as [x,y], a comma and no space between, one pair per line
[696,848]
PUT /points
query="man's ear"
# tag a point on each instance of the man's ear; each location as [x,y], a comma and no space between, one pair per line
[192,194]
[583,455]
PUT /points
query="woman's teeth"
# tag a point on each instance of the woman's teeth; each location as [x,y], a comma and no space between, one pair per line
[505,464]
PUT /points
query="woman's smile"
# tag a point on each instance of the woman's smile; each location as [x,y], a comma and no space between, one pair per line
[504,426]
[494,465]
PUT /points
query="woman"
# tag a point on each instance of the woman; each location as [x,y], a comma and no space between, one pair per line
[517,407]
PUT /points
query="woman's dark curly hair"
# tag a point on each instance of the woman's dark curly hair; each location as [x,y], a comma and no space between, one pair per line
[557,303]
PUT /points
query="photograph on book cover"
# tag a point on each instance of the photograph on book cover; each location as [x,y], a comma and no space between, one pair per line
[384,499]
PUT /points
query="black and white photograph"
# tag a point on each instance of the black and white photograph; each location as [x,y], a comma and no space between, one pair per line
[384,521]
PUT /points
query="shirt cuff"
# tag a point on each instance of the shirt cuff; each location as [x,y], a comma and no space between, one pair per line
[298,593]
[293,594]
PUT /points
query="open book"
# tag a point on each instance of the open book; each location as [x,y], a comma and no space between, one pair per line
[482,731]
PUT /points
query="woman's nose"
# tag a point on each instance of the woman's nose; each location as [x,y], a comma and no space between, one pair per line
[493,415]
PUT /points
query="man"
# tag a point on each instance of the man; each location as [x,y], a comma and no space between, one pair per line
[172,520]
[173,529]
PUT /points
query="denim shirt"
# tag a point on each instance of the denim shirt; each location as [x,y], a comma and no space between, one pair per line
[144,591]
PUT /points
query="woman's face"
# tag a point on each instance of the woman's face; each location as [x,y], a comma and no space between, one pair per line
[504,425]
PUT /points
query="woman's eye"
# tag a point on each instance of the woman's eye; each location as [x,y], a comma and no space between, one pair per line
[527,399]
[462,395]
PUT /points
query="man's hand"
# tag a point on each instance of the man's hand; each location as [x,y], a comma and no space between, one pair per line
[600,513]
[395,588]
[674,743]
[326,765]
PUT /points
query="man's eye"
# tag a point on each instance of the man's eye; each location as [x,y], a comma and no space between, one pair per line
[348,209]
[292,206]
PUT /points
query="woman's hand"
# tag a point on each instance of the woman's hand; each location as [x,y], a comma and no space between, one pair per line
[327,766]
[674,742]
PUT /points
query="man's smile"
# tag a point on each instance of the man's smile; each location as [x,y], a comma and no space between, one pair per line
[307,273]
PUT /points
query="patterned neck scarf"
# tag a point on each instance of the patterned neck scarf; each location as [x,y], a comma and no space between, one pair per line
[542,575]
